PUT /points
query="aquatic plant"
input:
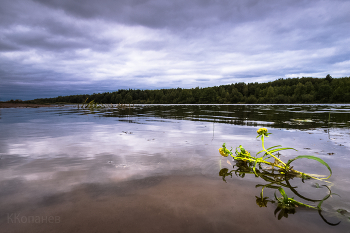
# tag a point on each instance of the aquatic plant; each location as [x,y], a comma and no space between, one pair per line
[272,152]
[92,105]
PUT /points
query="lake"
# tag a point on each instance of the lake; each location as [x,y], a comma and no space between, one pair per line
[157,168]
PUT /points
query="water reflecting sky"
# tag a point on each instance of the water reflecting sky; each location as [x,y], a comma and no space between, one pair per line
[50,156]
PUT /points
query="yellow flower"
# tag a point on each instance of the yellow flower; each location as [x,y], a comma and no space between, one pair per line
[222,152]
[262,131]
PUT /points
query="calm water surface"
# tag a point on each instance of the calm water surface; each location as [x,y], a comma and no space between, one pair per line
[156,168]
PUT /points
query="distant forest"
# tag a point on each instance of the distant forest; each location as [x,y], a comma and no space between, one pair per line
[281,91]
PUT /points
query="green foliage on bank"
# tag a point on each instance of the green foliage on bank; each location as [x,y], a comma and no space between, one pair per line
[281,91]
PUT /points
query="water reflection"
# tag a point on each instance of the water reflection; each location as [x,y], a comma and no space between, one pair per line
[279,116]
[278,181]
[160,162]
[335,119]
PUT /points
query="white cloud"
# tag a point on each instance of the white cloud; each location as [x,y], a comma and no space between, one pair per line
[157,45]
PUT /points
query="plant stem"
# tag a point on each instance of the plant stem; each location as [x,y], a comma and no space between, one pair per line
[263,146]
[279,166]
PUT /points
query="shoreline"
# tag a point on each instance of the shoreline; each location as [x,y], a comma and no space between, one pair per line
[24,105]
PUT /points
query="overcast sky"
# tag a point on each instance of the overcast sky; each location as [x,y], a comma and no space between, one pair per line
[63,47]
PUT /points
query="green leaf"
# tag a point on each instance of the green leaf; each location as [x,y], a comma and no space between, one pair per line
[285,197]
[314,158]
[273,147]
[260,152]
[279,149]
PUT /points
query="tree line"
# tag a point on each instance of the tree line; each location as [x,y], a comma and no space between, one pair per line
[281,91]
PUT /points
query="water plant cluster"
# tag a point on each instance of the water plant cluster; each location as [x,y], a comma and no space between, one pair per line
[277,175]
[244,155]
[92,105]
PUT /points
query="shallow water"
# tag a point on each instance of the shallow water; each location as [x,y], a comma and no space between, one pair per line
[156,168]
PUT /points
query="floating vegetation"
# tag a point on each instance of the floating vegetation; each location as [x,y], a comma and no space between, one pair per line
[277,175]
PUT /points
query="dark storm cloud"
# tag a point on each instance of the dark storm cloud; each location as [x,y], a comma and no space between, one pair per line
[176,13]
[154,14]
[58,47]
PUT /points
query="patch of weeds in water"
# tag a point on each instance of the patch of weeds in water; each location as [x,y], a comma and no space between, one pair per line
[277,175]
[92,105]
